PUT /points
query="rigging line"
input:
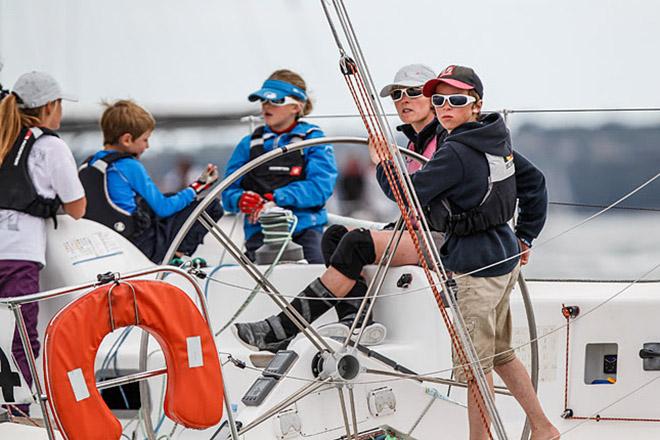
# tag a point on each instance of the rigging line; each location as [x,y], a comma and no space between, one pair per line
[504,111]
[348,67]
[595,414]
[582,110]
[393,171]
[332,28]
[587,205]
[460,339]
[424,289]
[395,175]
[566,231]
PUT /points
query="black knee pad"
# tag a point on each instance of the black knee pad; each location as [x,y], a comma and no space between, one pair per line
[331,238]
[355,250]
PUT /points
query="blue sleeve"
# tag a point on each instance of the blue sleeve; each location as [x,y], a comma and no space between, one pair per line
[440,174]
[239,157]
[320,178]
[532,199]
[138,178]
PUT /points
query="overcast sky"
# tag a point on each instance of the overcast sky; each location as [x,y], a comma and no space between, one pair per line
[202,55]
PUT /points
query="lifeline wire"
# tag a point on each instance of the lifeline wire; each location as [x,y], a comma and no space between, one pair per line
[408,204]
[540,244]
[449,369]
[587,220]
[271,235]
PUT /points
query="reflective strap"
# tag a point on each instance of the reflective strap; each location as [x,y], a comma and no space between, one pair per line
[319,290]
[100,165]
[28,134]
[78,384]
[37,132]
[260,140]
[500,168]
[194,346]
[276,325]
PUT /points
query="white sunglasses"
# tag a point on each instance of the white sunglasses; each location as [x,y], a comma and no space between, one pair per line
[281,101]
[453,100]
[411,92]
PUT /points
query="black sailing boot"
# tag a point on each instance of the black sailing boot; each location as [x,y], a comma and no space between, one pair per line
[374,332]
[275,333]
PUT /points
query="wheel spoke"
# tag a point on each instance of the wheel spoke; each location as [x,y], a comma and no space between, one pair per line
[295,317]
[293,398]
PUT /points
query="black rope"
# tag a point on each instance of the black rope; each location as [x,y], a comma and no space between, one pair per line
[588,205]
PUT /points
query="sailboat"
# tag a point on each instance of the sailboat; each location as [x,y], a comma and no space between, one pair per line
[595,372]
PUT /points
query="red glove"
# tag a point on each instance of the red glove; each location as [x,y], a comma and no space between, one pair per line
[250,202]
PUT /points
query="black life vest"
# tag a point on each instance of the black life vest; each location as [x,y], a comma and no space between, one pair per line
[276,173]
[18,191]
[101,208]
[496,208]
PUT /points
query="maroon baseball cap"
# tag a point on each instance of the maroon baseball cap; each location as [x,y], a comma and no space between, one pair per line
[460,77]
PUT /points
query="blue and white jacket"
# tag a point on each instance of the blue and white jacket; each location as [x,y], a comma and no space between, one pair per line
[303,197]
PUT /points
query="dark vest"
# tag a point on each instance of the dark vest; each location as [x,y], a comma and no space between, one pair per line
[18,191]
[496,208]
[101,209]
[276,173]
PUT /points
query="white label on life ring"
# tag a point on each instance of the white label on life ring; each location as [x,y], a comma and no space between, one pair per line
[78,384]
[195,358]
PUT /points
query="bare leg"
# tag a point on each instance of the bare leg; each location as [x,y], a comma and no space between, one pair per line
[339,284]
[477,429]
[517,379]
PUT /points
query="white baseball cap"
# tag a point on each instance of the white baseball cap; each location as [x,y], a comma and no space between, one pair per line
[412,75]
[36,89]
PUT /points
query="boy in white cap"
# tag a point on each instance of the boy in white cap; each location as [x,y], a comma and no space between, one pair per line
[38,175]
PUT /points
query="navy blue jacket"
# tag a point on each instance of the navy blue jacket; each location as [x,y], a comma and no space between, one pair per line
[459,172]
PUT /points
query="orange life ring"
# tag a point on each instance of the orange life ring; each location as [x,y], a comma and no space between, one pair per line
[194,394]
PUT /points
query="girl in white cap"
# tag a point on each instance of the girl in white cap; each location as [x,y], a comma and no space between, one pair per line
[38,174]
[414,109]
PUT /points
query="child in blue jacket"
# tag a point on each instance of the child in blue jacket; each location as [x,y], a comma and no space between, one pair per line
[300,181]
[123,196]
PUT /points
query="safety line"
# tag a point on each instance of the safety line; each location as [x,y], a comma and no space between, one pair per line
[518,347]
[579,224]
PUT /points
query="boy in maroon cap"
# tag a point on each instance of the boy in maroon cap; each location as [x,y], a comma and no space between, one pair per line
[469,189]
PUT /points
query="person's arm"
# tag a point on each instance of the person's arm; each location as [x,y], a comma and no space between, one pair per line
[319,182]
[64,177]
[239,157]
[136,175]
[440,174]
[76,209]
[532,199]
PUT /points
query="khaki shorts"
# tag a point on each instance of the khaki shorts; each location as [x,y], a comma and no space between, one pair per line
[484,304]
